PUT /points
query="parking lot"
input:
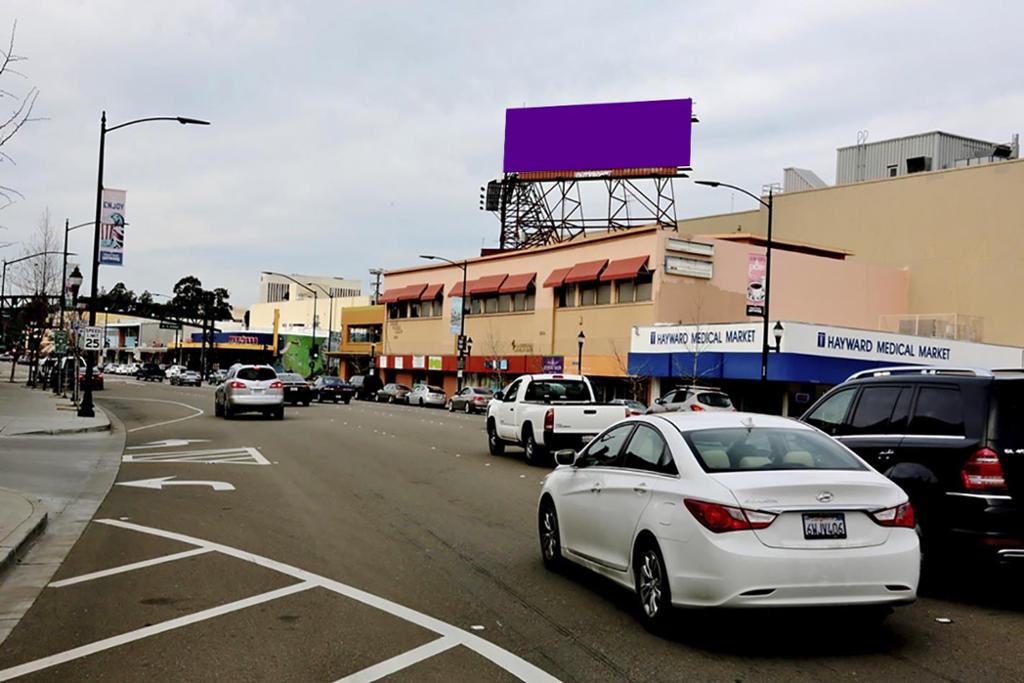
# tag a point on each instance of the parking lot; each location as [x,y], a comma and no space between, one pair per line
[372,540]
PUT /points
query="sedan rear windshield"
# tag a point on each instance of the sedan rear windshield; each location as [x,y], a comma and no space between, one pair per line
[483,392]
[257,374]
[740,450]
[332,381]
[558,390]
[714,400]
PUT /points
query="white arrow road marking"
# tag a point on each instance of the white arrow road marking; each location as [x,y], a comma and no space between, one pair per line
[166,443]
[161,482]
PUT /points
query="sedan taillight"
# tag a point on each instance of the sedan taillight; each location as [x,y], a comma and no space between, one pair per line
[237,385]
[721,518]
[696,408]
[901,515]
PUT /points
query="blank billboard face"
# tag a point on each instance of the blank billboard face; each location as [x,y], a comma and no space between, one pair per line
[598,137]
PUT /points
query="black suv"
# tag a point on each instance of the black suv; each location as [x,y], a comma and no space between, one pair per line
[150,372]
[952,439]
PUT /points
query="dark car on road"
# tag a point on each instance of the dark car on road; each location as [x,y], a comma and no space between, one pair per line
[471,400]
[394,393]
[952,439]
[150,372]
[365,386]
[333,389]
[296,388]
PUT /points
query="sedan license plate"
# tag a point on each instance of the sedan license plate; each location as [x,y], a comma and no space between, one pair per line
[824,526]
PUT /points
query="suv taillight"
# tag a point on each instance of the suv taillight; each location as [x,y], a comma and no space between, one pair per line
[549,420]
[277,384]
[237,385]
[983,472]
[901,515]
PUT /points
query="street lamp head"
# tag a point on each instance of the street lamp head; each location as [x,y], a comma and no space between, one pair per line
[428,257]
[184,120]
[75,279]
[708,183]
[581,337]
[777,332]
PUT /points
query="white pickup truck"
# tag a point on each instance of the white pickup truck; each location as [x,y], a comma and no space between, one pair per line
[545,413]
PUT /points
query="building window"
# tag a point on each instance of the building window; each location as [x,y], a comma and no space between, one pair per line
[504,303]
[398,310]
[277,291]
[524,301]
[566,296]
[604,293]
[637,289]
[490,304]
[364,334]
[414,309]
[892,170]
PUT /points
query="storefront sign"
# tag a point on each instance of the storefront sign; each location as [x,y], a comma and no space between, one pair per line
[112,228]
[399,362]
[419,362]
[434,363]
[757,265]
[382,362]
[553,365]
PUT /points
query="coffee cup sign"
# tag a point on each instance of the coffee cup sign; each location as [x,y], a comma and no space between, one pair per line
[757,265]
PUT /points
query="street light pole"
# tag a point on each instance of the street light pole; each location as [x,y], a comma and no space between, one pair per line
[767,270]
[86,408]
[330,320]
[3,287]
[312,291]
[64,270]
[462,317]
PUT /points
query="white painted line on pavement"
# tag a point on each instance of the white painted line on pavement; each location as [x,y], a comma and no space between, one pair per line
[129,567]
[155,629]
[159,400]
[402,661]
[514,664]
[242,455]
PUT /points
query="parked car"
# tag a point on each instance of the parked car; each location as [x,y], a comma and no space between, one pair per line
[635,407]
[730,510]
[543,413]
[174,370]
[692,399]
[187,378]
[394,393]
[333,389]
[250,388]
[97,378]
[953,439]
[217,376]
[471,400]
[365,386]
[150,372]
[427,395]
[296,389]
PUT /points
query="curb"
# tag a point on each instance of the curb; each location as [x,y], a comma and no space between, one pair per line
[26,532]
[58,432]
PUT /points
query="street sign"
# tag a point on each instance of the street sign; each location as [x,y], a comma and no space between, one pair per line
[60,341]
[91,338]
[170,326]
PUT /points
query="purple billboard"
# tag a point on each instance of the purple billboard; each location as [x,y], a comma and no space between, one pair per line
[598,137]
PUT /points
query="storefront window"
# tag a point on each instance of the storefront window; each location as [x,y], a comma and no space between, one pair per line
[364,334]
[566,296]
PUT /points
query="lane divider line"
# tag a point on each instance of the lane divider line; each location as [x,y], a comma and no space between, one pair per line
[402,661]
[129,567]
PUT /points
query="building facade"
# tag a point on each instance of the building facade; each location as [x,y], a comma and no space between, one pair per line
[278,288]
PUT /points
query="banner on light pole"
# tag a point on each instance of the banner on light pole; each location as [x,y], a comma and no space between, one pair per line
[112,223]
[757,266]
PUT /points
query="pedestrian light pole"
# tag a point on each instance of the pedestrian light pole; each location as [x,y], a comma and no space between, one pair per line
[86,408]
[580,338]
[767,269]
[313,348]
[464,266]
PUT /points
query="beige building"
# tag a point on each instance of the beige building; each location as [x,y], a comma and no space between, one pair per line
[298,315]
[957,233]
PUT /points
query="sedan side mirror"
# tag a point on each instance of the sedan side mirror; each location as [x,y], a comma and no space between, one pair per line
[566,456]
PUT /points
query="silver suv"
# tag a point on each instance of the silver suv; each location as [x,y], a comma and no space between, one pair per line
[250,388]
[695,399]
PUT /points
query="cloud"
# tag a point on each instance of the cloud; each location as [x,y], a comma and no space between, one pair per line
[351,135]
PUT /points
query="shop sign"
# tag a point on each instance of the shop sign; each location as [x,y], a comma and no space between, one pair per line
[419,362]
[399,362]
[553,365]
[382,362]
[434,363]
[757,266]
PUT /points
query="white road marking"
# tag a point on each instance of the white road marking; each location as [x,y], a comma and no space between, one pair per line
[166,443]
[129,567]
[402,661]
[244,455]
[514,664]
[138,634]
[159,400]
[160,482]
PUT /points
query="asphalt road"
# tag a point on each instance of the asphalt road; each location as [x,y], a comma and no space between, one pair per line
[383,542]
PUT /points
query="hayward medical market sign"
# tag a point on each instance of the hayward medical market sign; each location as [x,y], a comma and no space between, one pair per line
[827,342]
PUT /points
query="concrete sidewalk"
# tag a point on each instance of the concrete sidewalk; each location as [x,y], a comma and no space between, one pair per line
[55,474]
[26,411]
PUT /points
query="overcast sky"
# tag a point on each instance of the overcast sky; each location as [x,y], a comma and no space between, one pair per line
[349,135]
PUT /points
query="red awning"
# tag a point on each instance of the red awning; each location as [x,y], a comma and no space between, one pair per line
[585,272]
[557,277]
[624,269]
[517,283]
[390,295]
[411,292]
[431,292]
[488,284]
[456,289]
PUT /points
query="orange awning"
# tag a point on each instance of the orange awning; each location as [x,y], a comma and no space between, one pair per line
[411,292]
[488,284]
[517,283]
[557,277]
[456,289]
[624,269]
[391,295]
[431,292]
[585,272]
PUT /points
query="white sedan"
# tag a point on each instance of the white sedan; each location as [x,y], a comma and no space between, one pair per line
[730,510]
